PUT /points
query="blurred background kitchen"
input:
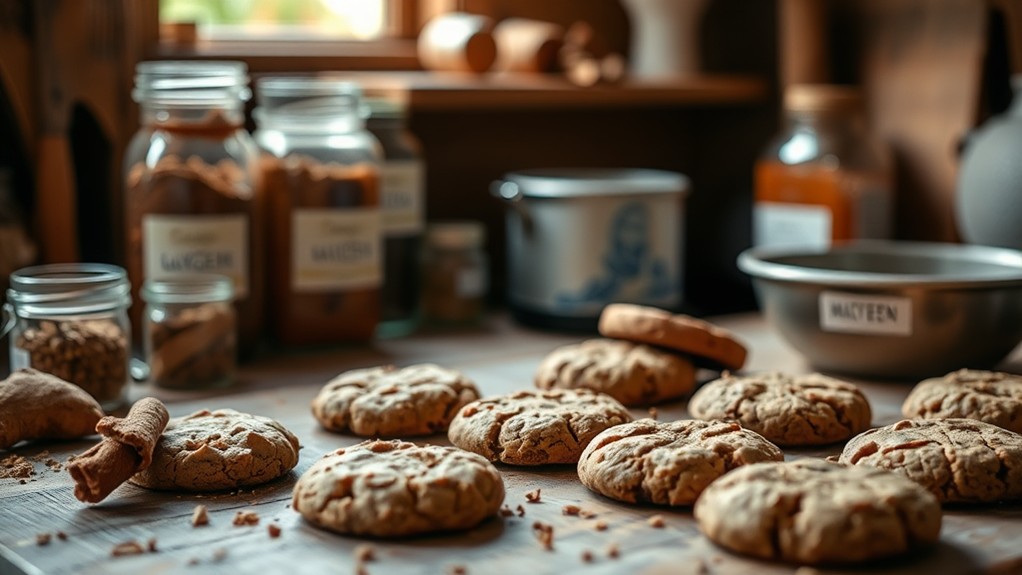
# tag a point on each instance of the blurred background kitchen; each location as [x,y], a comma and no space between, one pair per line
[481,89]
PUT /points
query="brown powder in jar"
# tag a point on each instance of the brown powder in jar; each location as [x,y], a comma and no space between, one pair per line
[330,314]
[193,347]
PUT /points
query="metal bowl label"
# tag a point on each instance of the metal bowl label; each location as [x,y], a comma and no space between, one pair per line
[865,314]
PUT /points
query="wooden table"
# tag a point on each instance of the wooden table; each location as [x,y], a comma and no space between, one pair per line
[500,358]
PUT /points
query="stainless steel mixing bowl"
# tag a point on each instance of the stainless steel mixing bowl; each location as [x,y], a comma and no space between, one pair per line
[892,309]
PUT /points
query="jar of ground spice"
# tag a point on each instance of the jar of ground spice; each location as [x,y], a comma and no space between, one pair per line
[321,178]
[191,185]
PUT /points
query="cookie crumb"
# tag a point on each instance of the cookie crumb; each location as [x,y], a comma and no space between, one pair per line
[22,481]
[701,568]
[533,496]
[544,534]
[570,510]
[246,518]
[600,525]
[365,553]
[274,530]
[520,510]
[61,535]
[127,548]
[586,514]
[193,561]
[151,545]
[200,516]
[656,521]
[16,467]
[587,556]
[613,551]
[42,539]
[219,554]
[457,570]
[505,511]
[653,413]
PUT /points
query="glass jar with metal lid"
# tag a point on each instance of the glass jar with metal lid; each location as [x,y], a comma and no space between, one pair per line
[455,273]
[71,321]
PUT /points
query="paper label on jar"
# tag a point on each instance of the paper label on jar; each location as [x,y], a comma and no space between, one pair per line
[401,197]
[865,314]
[777,224]
[207,244]
[335,249]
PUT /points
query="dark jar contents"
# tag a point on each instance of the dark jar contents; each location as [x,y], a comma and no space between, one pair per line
[191,186]
[454,273]
[190,329]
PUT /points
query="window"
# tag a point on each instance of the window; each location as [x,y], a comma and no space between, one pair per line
[284,20]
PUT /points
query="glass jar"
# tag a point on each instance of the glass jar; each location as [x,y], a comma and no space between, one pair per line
[403,205]
[455,273]
[824,179]
[320,173]
[191,184]
[71,320]
[190,331]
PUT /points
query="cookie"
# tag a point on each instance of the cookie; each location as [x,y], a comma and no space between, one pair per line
[958,460]
[535,427]
[788,410]
[396,488]
[668,463]
[989,396]
[389,402]
[811,511]
[705,342]
[631,373]
[217,450]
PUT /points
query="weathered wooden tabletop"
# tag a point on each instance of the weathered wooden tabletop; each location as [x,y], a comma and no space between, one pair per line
[500,358]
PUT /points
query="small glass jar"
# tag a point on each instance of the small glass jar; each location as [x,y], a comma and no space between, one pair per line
[190,328]
[403,206]
[320,173]
[191,184]
[824,179]
[71,321]
[455,273]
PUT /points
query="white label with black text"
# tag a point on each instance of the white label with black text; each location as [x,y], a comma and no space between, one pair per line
[778,224]
[865,314]
[185,245]
[401,197]
[335,249]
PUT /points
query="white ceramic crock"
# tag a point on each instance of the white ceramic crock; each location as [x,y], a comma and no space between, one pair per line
[581,238]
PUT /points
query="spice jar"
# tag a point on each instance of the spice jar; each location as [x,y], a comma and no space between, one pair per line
[190,331]
[455,272]
[823,179]
[402,203]
[71,320]
[191,184]
[320,172]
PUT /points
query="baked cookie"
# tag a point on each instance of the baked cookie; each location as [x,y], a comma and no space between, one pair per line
[217,450]
[396,488]
[668,463]
[812,511]
[989,396]
[389,401]
[631,373]
[788,410]
[705,342]
[535,427]
[958,460]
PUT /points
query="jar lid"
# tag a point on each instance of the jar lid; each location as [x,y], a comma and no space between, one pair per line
[455,235]
[197,288]
[582,182]
[69,288]
[822,98]
[195,83]
[386,108]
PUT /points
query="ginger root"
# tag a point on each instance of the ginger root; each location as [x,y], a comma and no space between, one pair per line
[37,405]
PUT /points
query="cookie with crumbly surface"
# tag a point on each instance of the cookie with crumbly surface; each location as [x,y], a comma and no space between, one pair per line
[990,396]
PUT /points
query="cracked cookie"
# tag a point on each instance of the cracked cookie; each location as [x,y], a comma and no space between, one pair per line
[989,396]
[668,463]
[388,401]
[811,511]
[958,460]
[788,410]
[631,373]
[705,342]
[535,427]
[217,450]
[396,488]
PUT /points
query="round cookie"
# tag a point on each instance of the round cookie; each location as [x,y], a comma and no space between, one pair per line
[704,341]
[218,450]
[389,402]
[631,373]
[668,463]
[535,427]
[396,488]
[788,410]
[958,460]
[989,396]
[811,511]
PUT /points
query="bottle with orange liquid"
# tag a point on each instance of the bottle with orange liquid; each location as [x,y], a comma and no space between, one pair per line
[824,179]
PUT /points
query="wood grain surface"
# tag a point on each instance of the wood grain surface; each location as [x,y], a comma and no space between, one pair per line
[500,358]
